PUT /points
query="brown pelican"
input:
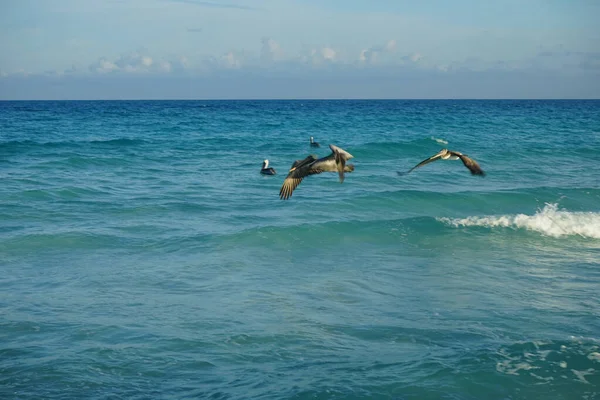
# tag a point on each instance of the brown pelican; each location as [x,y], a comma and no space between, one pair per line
[335,162]
[313,143]
[266,170]
[446,154]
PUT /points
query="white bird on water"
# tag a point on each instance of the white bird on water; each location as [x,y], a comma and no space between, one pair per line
[266,170]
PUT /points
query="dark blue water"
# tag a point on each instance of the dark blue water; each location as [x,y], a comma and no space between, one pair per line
[143,255]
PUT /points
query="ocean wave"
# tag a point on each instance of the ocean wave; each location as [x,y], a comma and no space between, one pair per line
[295,233]
[23,144]
[118,142]
[544,362]
[439,141]
[548,221]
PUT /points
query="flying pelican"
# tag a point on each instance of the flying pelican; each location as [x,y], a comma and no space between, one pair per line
[446,154]
[313,143]
[335,162]
[266,170]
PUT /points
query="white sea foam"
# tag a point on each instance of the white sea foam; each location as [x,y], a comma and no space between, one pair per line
[511,368]
[581,374]
[548,221]
[594,356]
[440,141]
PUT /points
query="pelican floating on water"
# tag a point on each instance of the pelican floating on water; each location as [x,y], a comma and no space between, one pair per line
[446,154]
[266,170]
[313,143]
[335,162]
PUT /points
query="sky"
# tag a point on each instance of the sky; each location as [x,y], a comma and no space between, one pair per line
[260,49]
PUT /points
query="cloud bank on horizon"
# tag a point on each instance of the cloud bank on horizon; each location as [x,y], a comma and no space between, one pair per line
[299,49]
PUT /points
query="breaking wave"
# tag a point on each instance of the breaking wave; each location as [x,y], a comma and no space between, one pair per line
[543,362]
[548,221]
[439,141]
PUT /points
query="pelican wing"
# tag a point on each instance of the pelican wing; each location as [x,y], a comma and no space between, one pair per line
[340,151]
[425,162]
[340,163]
[340,157]
[289,184]
[300,170]
[294,178]
[300,163]
[471,164]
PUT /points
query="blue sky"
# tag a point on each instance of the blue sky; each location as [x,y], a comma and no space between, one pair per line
[60,49]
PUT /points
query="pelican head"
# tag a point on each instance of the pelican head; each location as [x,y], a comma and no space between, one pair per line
[265,164]
[312,140]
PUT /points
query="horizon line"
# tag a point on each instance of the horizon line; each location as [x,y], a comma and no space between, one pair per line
[330,99]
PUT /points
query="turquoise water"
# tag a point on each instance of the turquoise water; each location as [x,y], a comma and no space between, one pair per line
[144,256]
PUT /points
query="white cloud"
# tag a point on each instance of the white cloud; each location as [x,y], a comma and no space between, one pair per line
[229,60]
[177,64]
[270,51]
[146,61]
[363,55]
[416,57]
[135,62]
[164,66]
[103,66]
[328,53]
[184,62]
[318,56]
[377,54]
[74,69]
[271,57]
[390,45]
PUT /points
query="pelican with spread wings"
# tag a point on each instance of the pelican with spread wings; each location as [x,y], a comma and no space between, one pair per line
[335,162]
[446,154]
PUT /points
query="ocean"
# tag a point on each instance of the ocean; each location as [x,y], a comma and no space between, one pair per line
[143,255]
